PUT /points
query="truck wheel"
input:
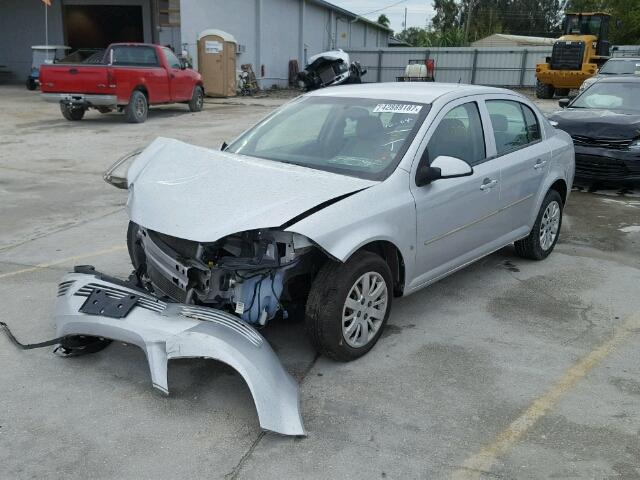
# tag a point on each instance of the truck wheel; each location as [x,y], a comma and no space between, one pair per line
[348,306]
[138,108]
[31,84]
[72,114]
[546,230]
[562,92]
[197,99]
[543,90]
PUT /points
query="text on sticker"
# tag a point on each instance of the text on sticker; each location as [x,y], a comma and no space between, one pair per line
[397,108]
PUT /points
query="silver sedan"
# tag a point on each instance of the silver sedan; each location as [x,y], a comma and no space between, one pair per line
[343,199]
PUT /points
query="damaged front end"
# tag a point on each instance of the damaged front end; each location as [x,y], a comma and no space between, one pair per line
[254,275]
[94,305]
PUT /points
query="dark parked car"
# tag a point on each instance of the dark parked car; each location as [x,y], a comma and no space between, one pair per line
[604,122]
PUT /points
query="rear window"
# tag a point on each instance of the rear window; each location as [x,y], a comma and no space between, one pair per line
[135,56]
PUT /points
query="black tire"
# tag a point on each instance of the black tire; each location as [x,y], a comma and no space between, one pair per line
[73,114]
[137,109]
[31,84]
[530,247]
[562,92]
[543,90]
[197,99]
[326,303]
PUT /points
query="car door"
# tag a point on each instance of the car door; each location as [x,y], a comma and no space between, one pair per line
[524,160]
[455,217]
[180,80]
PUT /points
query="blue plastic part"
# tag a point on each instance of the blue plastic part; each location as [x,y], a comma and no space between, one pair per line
[260,295]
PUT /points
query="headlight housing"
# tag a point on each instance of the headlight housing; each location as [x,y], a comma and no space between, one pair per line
[116,174]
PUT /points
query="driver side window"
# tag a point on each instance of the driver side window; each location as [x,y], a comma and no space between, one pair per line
[459,134]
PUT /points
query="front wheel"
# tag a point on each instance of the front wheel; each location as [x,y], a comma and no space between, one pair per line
[348,306]
[197,99]
[546,230]
[544,90]
[73,114]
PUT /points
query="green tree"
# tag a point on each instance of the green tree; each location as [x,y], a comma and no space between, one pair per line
[447,15]
[384,20]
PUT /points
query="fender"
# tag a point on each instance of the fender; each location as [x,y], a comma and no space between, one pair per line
[342,228]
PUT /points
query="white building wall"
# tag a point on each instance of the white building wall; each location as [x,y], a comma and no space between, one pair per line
[270,32]
[21,26]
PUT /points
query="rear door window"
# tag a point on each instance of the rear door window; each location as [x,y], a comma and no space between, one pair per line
[514,125]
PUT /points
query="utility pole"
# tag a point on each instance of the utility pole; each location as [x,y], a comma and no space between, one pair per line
[468,21]
[405,18]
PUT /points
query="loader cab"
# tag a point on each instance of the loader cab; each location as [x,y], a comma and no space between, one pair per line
[594,24]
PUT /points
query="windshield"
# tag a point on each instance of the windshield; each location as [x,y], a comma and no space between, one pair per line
[611,96]
[360,137]
[621,67]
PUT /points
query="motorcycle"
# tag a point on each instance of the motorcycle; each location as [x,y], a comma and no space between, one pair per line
[330,68]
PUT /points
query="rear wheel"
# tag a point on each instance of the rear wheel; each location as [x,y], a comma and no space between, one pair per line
[138,108]
[31,84]
[197,99]
[546,230]
[71,113]
[544,91]
[348,306]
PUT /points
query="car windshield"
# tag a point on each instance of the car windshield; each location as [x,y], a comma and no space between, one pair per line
[621,67]
[360,137]
[621,96]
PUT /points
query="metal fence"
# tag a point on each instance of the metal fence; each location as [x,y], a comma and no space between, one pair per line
[500,66]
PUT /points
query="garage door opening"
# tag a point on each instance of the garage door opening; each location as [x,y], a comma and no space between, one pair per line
[96,26]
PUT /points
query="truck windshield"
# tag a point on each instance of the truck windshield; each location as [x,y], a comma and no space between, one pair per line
[360,137]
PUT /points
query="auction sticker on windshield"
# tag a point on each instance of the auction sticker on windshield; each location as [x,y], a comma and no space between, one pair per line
[397,108]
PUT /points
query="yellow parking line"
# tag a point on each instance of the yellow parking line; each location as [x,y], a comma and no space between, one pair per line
[482,461]
[64,260]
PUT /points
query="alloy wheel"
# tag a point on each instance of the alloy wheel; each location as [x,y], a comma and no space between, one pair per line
[549,225]
[364,309]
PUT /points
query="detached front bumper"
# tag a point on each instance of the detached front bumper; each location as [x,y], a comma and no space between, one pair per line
[171,330]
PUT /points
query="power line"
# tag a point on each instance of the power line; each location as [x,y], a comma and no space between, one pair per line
[383,8]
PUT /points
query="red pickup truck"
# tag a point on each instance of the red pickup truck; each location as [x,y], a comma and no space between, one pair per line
[130,77]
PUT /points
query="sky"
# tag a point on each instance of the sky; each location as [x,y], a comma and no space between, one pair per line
[418,11]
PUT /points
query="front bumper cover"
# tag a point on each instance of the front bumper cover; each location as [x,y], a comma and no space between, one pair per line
[165,331]
[607,165]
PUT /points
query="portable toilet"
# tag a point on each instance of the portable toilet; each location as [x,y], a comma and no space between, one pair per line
[217,62]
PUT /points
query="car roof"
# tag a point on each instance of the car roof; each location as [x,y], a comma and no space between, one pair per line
[620,79]
[421,92]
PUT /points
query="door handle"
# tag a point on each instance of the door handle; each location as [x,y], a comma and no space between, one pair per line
[488,183]
[539,164]
[173,75]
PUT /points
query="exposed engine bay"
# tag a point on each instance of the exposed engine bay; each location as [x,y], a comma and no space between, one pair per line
[255,275]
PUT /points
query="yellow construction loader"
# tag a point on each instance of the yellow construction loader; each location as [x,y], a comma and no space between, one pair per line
[576,55]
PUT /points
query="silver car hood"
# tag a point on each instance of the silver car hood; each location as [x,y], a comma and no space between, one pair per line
[203,195]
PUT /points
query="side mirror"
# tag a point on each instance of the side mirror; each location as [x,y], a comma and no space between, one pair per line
[564,102]
[183,64]
[441,168]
